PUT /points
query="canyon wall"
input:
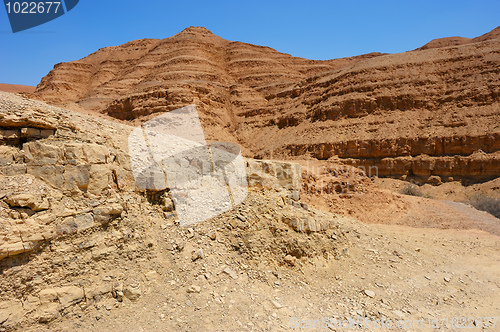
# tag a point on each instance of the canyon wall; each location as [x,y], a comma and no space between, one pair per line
[439,103]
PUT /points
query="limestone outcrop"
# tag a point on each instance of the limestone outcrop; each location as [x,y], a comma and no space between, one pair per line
[74,178]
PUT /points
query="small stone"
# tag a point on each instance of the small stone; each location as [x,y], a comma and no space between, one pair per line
[399,314]
[295,195]
[447,279]
[151,275]
[194,289]
[428,278]
[167,204]
[197,254]
[212,235]
[290,260]
[276,304]
[119,296]
[240,217]
[230,272]
[369,293]
[180,246]
[132,292]
[190,232]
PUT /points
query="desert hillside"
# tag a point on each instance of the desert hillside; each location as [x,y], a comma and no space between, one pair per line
[16,88]
[454,41]
[371,190]
[428,113]
[82,248]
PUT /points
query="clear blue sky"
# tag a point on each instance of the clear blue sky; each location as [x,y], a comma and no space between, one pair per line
[309,29]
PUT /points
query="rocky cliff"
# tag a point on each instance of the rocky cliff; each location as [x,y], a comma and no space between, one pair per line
[62,173]
[70,210]
[429,112]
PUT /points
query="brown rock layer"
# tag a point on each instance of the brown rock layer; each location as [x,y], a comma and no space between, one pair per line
[439,101]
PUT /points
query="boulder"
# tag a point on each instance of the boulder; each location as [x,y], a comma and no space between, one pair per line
[11,313]
[307,223]
[288,175]
[73,154]
[31,303]
[48,295]
[105,213]
[76,224]
[32,201]
[48,312]
[53,175]
[99,178]
[7,154]
[98,290]
[95,153]
[38,153]
[132,292]
[69,295]
[76,177]
[434,180]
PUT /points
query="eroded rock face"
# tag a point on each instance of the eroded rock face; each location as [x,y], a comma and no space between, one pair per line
[11,313]
[275,175]
[441,100]
[32,201]
[74,180]
[58,183]
[478,166]
[70,207]
[51,301]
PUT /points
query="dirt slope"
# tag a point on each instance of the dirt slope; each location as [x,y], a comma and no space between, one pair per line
[16,88]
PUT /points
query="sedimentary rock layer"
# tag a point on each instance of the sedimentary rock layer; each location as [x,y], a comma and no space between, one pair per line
[442,100]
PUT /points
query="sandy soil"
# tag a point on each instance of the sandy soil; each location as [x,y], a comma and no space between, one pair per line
[416,275]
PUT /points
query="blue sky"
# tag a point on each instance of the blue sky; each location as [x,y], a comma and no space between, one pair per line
[309,29]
